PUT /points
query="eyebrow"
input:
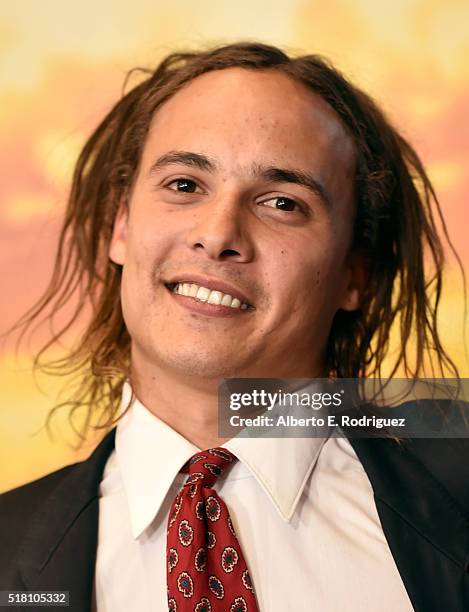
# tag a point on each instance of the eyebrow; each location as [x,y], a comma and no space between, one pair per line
[186,158]
[268,173]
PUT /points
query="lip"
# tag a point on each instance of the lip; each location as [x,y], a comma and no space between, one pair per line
[212,284]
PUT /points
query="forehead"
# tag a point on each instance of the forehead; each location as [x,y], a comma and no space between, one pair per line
[242,117]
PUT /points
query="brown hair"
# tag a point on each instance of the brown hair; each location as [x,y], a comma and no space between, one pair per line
[398,220]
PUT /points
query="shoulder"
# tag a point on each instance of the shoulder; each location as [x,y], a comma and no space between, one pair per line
[22,501]
[18,509]
[34,515]
[71,487]
[444,457]
[18,506]
[447,460]
[444,443]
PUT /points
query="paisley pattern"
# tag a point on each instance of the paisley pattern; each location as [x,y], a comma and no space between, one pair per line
[199,510]
[206,569]
[246,578]
[203,605]
[239,605]
[230,526]
[200,560]
[196,458]
[172,559]
[229,559]
[222,453]
[216,586]
[186,533]
[211,539]
[175,510]
[172,606]
[185,584]
[212,508]
[215,469]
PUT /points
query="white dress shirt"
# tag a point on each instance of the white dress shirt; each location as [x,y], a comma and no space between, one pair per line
[302,508]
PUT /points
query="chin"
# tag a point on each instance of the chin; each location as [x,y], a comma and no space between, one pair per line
[203,364]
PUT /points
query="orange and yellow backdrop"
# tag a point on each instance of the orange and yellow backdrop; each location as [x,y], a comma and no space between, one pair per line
[62,65]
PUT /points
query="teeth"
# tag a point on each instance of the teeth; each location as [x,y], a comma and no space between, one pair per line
[202,294]
[215,297]
[206,295]
[226,300]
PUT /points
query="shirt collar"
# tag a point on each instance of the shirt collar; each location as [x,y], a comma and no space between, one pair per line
[150,455]
[281,466]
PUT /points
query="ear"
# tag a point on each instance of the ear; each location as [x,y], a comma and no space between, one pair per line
[358,273]
[117,247]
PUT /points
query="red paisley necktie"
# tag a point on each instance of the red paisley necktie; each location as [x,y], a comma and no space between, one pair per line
[206,570]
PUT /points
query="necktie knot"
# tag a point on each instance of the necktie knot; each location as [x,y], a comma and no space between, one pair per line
[205,467]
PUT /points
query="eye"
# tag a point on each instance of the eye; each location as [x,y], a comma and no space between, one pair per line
[282,203]
[184,185]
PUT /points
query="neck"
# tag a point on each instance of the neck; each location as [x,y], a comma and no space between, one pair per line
[189,403]
[188,406]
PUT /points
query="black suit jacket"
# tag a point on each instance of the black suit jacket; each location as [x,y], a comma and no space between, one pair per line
[421,487]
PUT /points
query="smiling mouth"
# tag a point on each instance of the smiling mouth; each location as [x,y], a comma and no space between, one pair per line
[208,296]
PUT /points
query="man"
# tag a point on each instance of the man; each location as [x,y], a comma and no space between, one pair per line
[244,214]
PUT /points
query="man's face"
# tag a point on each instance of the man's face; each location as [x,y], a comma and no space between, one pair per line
[245,188]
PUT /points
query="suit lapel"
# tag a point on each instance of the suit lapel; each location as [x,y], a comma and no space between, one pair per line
[59,548]
[426,530]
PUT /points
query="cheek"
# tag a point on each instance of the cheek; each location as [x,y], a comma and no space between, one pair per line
[311,281]
[298,266]
[150,237]
[141,272]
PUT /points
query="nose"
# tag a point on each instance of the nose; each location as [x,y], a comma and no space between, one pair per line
[221,231]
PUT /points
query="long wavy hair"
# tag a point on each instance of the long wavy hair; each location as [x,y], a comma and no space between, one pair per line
[398,223]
